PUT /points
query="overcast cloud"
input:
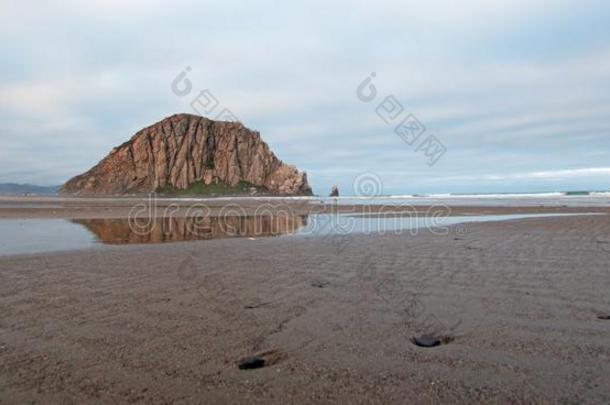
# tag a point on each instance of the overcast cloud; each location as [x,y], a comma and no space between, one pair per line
[517,91]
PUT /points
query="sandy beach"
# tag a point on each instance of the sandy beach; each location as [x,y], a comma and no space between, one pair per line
[517,304]
[236,202]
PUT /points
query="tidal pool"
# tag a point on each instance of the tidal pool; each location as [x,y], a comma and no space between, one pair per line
[25,236]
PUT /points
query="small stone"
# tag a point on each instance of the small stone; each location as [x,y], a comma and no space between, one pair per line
[251,362]
[319,284]
[604,317]
[426,341]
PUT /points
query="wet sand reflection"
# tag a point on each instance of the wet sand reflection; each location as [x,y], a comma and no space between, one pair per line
[175,229]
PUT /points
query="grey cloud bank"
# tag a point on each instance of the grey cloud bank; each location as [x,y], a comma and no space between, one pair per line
[517,91]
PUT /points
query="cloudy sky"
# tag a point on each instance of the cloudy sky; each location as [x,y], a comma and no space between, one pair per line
[516,91]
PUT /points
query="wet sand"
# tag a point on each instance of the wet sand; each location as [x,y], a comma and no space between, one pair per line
[518,302]
[96,208]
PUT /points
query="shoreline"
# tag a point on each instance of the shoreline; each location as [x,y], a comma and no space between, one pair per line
[87,208]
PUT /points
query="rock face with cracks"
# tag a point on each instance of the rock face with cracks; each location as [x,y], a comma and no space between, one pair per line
[185,149]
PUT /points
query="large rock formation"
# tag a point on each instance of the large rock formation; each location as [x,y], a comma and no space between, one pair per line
[184,149]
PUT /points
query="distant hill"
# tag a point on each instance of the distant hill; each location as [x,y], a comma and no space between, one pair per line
[21,189]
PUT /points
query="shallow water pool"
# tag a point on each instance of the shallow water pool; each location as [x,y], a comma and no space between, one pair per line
[26,236]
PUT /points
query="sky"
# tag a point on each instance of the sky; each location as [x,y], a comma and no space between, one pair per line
[508,96]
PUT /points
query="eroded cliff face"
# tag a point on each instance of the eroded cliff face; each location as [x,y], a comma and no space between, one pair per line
[184,149]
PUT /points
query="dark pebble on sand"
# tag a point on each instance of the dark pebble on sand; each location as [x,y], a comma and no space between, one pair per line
[604,317]
[251,362]
[319,284]
[426,341]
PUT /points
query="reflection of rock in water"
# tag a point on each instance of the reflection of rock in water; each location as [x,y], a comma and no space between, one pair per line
[173,229]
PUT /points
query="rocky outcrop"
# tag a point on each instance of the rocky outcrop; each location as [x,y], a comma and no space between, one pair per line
[185,149]
[334,191]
